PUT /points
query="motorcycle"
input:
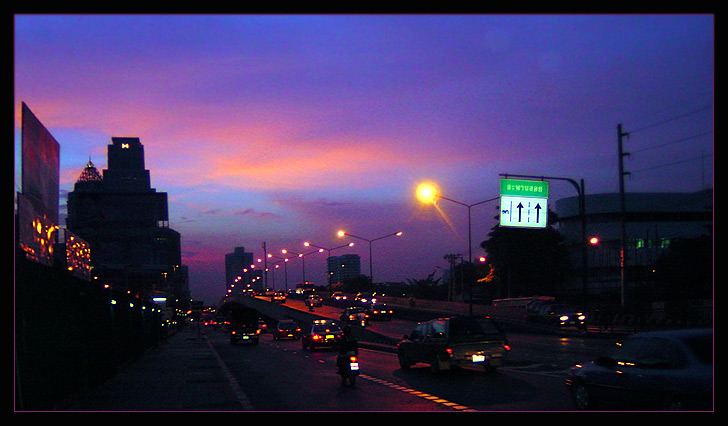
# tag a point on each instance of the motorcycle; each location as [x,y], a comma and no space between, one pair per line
[348,365]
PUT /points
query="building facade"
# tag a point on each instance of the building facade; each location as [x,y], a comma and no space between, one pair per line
[652,221]
[240,272]
[341,268]
[126,224]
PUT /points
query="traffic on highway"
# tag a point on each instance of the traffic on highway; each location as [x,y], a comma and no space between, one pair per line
[529,371]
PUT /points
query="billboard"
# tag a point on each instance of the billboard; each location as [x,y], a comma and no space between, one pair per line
[38,202]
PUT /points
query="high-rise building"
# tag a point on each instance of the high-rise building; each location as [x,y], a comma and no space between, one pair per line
[343,267]
[240,274]
[125,221]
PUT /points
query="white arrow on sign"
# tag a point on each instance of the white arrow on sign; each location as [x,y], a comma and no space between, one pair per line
[526,212]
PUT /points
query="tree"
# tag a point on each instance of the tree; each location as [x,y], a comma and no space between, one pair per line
[428,288]
[526,261]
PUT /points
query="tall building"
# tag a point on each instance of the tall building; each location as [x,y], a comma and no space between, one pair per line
[240,273]
[125,221]
[343,267]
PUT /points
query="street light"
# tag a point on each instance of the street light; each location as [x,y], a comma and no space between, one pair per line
[428,193]
[329,250]
[285,267]
[370,241]
[303,260]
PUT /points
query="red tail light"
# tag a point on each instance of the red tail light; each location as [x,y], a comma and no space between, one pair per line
[507,347]
[352,358]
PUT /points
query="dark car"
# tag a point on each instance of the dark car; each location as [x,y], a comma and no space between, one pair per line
[563,316]
[659,370]
[454,342]
[354,315]
[365,298]
[278,297]
[321,333]
[286,329]
[380,311]
[314,300]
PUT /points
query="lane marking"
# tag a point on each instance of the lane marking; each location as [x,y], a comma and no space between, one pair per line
[417,393]
[237,390]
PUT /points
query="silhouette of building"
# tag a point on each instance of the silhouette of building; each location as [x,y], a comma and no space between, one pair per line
[125,221]
[343,267]
[239,274]
[653,221]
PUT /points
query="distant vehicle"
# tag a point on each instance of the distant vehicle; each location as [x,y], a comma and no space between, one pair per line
[243,325]
[286,329]
[444,343]
[558,314]
[365,298]
[380,311]
[354,315]
[278,297]
[338,296]
[659,370]
[313,300]
[262,326]
[321,333]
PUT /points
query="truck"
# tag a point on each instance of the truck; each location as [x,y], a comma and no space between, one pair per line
[243,325]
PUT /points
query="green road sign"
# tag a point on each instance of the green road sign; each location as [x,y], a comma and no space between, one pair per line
[524,203]
[525,188]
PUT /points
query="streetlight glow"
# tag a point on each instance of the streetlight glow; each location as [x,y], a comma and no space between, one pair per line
[426,193]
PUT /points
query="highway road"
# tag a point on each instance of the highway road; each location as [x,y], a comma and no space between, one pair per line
[278,375]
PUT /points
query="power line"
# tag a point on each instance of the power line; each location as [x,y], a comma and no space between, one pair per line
[673,142]
[671,119]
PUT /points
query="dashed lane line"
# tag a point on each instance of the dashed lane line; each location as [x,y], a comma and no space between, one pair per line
[417,393]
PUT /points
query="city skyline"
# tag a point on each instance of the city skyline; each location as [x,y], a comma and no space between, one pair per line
[286,129]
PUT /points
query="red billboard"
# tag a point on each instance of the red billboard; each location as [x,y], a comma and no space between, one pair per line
[38,202]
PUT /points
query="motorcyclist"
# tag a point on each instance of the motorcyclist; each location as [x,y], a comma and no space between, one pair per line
[348,346]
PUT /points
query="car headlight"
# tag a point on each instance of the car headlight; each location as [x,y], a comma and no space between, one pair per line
[564,318]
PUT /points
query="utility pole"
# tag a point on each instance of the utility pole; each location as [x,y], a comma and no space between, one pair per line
[265,266]
[622,210]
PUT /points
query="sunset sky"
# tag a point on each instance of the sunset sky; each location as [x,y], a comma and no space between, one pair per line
[286,128]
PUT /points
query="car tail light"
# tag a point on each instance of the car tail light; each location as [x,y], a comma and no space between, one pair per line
[316,337]
[449,351]
[507,347]
[352,358]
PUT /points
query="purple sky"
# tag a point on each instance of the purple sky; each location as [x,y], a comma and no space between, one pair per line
[285,129]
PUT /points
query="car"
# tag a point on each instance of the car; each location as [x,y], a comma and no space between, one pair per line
[286,329]
[365,298]
[321,333]
[278,297]
[338,296]
[262,326]
[562,315]
[654,370]
[313,300]
[354,314]
[380,311]
[459,341]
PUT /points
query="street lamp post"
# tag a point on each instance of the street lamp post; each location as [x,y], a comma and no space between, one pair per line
[370,241]
[303,260]
[428,193]
[285,267]
[328,250]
